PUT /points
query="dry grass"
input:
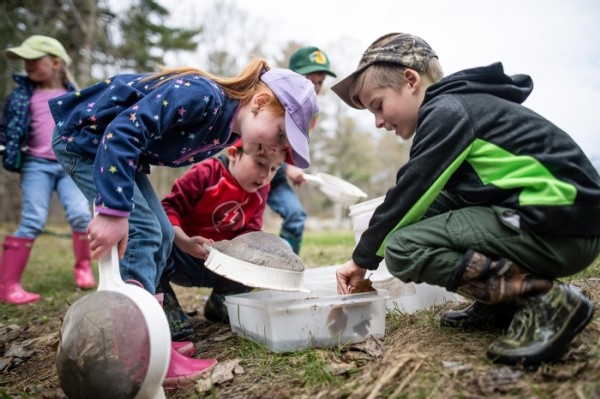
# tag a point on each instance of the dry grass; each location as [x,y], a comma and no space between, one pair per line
[416,359]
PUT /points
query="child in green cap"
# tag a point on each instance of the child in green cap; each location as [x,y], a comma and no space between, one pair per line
[313,64]
[495,202]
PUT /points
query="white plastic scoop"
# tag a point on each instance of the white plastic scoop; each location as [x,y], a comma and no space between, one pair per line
[337,190]
[115,343]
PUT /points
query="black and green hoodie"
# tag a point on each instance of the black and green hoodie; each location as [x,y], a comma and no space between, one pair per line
[474,139]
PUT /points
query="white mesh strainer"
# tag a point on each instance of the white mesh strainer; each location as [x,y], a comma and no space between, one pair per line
[337,190]
[258,260]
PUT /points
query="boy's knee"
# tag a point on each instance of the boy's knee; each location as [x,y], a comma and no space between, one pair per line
[398,245]
[297,215]
[398,255]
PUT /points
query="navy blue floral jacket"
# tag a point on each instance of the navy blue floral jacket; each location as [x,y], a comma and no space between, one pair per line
[15,123]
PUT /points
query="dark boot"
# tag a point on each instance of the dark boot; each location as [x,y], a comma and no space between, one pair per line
[495,281]
[478,315]
[543,329]
[294,241]
[180,325]
[215,309]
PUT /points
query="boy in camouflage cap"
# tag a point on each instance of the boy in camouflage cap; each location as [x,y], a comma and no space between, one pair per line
[495,202]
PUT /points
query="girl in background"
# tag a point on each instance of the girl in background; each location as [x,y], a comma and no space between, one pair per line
[27,123]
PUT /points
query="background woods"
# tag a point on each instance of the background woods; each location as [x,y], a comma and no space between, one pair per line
[105,37]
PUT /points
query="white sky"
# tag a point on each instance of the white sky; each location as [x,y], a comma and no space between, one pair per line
[557,42]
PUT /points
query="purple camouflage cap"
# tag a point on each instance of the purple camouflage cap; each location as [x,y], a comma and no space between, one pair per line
[402,49]
[298,97]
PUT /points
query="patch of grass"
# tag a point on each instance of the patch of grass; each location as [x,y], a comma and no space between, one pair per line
[424,360]
[326,248]
[309,367]
[591,271]
[49,272]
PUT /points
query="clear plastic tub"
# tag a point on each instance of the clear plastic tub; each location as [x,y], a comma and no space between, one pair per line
[291,321]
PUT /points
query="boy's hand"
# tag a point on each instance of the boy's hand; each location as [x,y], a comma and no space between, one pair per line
[195,246]
[295,174]
[347,276]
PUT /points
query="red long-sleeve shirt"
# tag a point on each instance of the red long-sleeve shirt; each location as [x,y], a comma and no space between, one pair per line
[207,201]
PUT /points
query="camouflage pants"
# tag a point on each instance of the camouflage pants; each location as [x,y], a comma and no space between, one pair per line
[432,249]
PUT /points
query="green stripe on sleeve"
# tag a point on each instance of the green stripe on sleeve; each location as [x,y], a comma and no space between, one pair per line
[495,165]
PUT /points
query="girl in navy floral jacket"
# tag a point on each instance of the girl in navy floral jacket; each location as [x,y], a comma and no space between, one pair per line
[109,134]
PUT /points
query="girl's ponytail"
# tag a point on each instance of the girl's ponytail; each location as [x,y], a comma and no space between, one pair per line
[241,87]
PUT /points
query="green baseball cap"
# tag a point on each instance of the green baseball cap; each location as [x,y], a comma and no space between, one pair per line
[37,46]
[310,59]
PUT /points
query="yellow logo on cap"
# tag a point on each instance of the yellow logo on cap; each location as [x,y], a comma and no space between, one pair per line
[318,57]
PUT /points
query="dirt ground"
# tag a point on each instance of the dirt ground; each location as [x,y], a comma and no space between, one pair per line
[416,359]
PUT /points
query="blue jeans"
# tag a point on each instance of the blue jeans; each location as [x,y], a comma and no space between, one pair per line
[39,179]
[150,232]
[283,200]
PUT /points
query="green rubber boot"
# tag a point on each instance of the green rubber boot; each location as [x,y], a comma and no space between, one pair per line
[544,327]
[294,241]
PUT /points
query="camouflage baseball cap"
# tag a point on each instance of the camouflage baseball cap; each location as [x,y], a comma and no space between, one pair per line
[402,49]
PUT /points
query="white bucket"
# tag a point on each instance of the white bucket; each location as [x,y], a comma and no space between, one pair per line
[361,215]
[407,297]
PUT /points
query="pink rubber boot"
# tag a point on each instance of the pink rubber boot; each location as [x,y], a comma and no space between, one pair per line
[184,371]
[84,278]
[186,348]
[14,259]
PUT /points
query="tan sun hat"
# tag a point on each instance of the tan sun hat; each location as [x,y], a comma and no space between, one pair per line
[37,46]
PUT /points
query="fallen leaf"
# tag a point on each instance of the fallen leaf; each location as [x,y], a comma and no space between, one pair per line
[340,368]
[456,367]
[19,351]
[499,380]
[222,372]
[9,333]
[222,337]
[372,347]
[4,363]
